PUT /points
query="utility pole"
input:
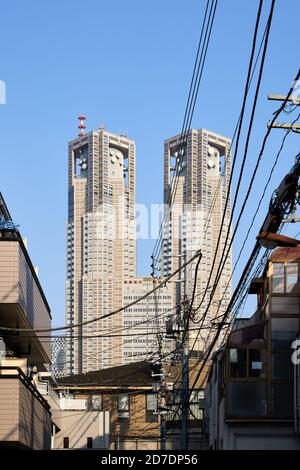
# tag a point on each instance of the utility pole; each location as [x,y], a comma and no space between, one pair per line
[185,392]
[159,386]
[183,341]
[160,389]
[292,100]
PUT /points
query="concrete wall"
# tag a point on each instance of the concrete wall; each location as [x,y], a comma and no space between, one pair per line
[18,286]
[106,428]
[260,437]
[79,425]
[24,420]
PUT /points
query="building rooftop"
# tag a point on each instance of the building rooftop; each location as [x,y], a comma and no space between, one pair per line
[285,254]
[136,374]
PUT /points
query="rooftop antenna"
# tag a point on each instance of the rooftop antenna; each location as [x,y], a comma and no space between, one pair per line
[101,126]
[82,125]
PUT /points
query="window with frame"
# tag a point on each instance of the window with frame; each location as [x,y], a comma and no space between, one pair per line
[196,411]
[247,399]
[246,363]
[291,277]
[278,278]
[283,332]
[151,407]
[285,278]
[95,403]
[173,405]
[238,362]
[123,406]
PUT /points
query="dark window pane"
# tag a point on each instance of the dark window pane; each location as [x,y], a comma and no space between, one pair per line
[284,331]
[278,278]
[282,366]
[238,362]
[66,443]
[282,400]
[291,277]
[89,443]
[247,399]
[256,367]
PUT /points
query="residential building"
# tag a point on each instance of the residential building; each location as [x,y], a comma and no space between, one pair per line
[117,406]
[252,393]
[193,218]
[26,421]
[101,248]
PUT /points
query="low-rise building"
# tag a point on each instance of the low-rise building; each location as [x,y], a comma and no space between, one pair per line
[113,408]
[25,415]
[252,392]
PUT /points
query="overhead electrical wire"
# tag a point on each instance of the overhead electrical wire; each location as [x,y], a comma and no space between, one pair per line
[192,98]
[266,35]
[223,261]
[227,313]
[276,114]
[260,265]
[114,312]
[255,214]
[237,148]
[237,131]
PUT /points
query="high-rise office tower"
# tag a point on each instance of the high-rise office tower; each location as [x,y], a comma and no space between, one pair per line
[146,320]
[101,249]
[195,218]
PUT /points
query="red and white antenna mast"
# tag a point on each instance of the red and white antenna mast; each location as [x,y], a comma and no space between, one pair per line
[82,125]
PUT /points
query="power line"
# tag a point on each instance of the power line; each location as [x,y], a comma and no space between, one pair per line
[266,36]
[254,217]
[114,312]
[237,133]
[221,266]
[236,152]
[243,276]
[192,98]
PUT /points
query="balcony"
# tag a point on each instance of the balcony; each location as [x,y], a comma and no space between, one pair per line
[22,301]
[25,418]
[71,404]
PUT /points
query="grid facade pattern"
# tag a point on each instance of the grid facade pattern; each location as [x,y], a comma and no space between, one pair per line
[196,216]
[144,319]
[101,247]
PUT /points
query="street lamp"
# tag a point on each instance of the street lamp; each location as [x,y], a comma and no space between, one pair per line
[271,240]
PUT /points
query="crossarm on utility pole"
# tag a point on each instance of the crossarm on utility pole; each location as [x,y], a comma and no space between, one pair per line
[293,98]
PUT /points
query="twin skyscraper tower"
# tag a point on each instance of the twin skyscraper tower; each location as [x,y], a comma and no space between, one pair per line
[101,244]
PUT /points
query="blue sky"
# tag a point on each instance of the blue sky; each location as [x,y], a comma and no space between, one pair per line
[127,64]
